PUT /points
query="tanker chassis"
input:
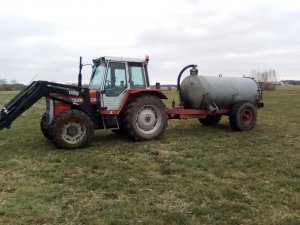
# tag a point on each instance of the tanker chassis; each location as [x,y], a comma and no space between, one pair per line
[119,98]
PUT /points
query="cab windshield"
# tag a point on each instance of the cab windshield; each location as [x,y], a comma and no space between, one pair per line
[97,77]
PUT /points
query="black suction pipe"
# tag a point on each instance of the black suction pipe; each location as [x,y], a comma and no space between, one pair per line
[178,80]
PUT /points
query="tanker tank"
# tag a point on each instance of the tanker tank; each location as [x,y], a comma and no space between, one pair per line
[208,92]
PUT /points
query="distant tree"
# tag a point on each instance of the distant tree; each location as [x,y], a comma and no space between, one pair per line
[266,79]
[5,87]
[13,85]
[267,76]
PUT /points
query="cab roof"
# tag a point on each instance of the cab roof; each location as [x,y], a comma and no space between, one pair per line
[117,59]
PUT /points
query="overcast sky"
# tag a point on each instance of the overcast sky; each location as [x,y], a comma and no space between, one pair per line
[231,37]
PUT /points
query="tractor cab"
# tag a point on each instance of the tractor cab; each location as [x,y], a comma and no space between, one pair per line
[112,77]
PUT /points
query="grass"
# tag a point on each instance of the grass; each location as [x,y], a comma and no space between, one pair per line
[192,175]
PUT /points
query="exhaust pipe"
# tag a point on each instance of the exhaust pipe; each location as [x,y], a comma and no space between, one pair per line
[80,74]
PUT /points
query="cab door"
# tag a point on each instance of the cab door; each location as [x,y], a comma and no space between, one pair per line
[115,85]
[137,78]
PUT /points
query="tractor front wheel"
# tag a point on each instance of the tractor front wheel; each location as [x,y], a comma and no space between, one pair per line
[72,129]
[45,126]
[145,118]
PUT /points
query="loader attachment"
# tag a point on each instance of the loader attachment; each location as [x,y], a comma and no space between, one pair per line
[34,92]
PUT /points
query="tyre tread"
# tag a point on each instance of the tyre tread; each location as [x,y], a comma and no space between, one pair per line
[45,127]
[71,113]
[130,111]
[234,117]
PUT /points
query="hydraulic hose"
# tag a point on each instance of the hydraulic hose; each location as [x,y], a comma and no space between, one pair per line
[178,81]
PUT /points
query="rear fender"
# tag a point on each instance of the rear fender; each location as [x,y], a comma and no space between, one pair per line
[132,94]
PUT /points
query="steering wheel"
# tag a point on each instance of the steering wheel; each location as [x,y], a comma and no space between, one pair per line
[107,83]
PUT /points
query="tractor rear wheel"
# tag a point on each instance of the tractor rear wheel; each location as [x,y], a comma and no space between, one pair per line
[145,118]
[242,116]
[72,129]
[45,126]
[211,120]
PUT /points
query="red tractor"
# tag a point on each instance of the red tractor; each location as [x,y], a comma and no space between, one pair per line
[119,98]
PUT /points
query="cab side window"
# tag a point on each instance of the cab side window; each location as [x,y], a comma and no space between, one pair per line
[136,75]
[115,82]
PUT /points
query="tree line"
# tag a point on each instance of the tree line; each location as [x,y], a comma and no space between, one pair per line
[13,85]
[267,79]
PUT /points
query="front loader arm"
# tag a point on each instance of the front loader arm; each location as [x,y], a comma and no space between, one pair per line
[30,95]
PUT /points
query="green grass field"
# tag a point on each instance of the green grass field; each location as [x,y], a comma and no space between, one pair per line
[192,175]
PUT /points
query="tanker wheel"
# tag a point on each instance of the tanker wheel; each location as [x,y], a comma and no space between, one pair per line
[72,129]
[242,116]
[211,120]
[145,118]
[45,126]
